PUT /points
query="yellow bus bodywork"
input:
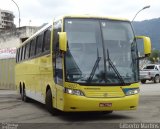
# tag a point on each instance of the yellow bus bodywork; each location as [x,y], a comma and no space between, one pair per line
[36,78]
[37,74]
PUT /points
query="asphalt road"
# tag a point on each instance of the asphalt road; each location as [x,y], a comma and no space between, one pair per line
[13,110]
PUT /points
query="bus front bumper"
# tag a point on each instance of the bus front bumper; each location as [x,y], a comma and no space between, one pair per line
[80,103]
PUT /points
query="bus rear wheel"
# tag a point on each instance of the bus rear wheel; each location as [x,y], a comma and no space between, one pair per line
[24,97]
[49,101]
[20,91]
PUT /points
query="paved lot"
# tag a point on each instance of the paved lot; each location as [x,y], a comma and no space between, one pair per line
[12,109]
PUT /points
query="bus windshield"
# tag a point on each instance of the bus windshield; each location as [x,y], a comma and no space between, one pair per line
[100,52]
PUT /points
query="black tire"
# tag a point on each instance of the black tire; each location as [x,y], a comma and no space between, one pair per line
[107,112]
[143,81]
[21,92]
[24,97]
[156,79]
[49,105]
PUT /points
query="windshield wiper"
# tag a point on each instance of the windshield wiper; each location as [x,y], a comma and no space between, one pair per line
[114,68]
[94,67]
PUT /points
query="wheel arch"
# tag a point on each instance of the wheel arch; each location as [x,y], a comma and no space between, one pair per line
[156,75]
[48,87]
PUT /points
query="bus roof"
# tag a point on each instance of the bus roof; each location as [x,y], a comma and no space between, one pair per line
[95,17]
[72,16]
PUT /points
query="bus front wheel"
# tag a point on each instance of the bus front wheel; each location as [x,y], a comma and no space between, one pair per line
[143,81]
[107,112]
[49,105]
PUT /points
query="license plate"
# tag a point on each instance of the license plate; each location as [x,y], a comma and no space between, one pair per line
[105,104]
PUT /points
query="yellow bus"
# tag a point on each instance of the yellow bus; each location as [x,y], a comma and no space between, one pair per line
[81,63]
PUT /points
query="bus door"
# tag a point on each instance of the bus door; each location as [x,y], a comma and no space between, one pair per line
[59,81]
[58,72]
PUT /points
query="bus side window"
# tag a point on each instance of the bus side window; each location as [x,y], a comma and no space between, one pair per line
[39,43]
[27,50]
[58,60]
[47,39]
[23,53]
[32,49]
[17,55]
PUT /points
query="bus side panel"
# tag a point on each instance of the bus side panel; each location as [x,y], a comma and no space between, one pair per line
[36,75]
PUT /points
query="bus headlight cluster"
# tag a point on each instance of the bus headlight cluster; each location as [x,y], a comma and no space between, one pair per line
[131,91]
[73,92]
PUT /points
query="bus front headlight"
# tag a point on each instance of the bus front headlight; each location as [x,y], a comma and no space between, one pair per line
[131,91]
[73,92]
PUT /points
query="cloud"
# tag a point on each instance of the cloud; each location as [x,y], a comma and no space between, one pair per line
[41,11]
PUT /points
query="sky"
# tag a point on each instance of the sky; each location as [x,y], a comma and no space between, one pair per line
[37,12]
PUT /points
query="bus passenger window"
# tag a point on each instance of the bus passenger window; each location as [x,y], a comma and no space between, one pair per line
[46,42]
[39,43]
[17,55]
[27,51]
[32,50]
[23,54]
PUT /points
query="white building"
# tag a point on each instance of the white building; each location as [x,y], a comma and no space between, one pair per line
[6,20]
[9,40]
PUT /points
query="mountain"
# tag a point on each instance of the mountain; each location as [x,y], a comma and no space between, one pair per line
[150,28]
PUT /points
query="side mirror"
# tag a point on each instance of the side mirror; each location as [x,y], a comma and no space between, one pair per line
[147,45]
[63,41]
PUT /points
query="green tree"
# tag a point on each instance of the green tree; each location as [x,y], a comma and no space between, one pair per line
[155,56]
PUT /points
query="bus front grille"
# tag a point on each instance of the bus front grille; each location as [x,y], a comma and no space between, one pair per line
[104,94]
